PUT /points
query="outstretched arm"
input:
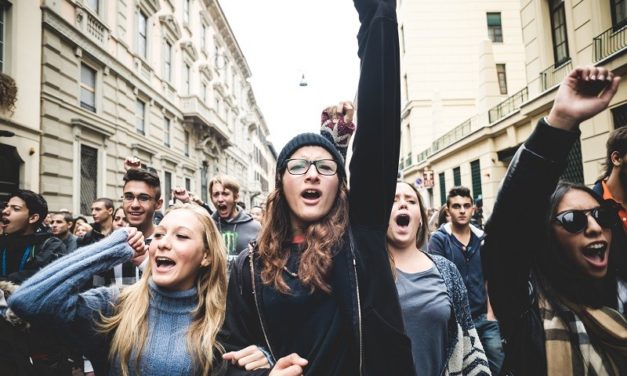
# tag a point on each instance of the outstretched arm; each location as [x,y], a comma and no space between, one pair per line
[374,164]
[517,224]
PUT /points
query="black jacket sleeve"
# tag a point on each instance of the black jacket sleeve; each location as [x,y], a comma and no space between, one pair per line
[51,249]
[241,323]
[516,229]
[373,174]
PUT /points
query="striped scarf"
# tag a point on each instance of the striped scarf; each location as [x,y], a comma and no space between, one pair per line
[569,350]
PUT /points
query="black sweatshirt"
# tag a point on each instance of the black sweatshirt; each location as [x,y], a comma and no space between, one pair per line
[362,316]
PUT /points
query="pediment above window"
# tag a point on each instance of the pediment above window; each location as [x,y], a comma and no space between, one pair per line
[189,48]
[169,22]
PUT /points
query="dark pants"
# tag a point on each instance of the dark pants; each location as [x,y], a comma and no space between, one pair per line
[490,337]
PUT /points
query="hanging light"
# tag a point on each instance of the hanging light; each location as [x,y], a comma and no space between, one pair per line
[303,81]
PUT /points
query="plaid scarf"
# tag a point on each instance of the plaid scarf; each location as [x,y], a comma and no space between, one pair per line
[569,350]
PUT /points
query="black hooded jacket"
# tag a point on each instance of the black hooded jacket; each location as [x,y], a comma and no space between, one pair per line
[363,290]
[21,256]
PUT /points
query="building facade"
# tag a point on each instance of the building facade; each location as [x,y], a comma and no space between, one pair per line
[458,59]
[557,35]
[20,61]
[161,80]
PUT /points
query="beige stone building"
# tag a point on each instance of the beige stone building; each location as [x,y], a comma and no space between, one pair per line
[557,35]
[458,59]
[20,59]
[162,80]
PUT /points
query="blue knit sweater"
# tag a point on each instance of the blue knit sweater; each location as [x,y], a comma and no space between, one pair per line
[51,297]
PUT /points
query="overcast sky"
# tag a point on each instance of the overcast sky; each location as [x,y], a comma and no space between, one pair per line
[283,39]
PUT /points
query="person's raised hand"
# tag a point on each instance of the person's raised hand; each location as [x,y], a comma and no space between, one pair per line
[249,358]
[291,365]
[132,162]
[348,109]
[181,194]
[136,241]
[585,92]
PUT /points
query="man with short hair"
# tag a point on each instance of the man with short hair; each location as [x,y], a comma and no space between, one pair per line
[24,250]
[612,186]
[102,212]
[141,198]
[236,226]
[460,242]
[60,224]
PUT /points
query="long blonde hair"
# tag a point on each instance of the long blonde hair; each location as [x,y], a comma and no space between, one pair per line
[128,325]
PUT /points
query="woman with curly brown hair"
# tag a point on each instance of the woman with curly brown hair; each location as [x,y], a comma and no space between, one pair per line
[318,282]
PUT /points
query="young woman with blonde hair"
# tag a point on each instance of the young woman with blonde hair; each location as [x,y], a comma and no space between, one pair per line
[165,324]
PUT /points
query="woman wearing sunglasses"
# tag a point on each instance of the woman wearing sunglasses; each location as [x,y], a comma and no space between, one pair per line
[318,281]
[548,245]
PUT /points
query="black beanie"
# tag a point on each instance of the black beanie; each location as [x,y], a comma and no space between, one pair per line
[309,139]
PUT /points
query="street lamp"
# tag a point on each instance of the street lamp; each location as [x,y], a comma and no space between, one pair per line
[303,82]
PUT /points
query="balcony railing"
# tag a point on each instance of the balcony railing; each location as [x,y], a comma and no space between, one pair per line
[453,135]
[508,106]
[192,106]
[609,42]
[554,75]
[423,155]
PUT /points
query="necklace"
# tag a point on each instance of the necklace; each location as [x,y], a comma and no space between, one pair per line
[294,275]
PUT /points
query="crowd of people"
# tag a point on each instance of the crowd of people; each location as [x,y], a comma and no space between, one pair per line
[327,280]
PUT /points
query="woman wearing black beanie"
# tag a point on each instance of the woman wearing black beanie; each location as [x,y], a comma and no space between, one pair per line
[318,281]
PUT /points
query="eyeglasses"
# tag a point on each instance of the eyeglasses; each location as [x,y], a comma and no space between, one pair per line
[129,197]
[326,167]
[575,221]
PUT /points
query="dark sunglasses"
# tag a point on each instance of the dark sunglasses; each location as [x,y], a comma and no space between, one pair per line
[575,221]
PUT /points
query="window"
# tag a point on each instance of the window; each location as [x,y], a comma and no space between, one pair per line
[167,61]
[3,12]
[186,74]
[619,115]
[502,77]
[186,143]
[166,132]
[204,93]
[406,87]
[142,34]
[442,188]
[203,182]
[457,177]
[558,31]
[93,5]
[402,39]
[475,171]
[188,184]
[186,12]
[619,13]
[140,116]
[495,28]
[203,37]
[89,177]
[88,88]
[168,187]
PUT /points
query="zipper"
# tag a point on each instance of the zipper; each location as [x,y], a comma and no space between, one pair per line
[263,328]
[361,345]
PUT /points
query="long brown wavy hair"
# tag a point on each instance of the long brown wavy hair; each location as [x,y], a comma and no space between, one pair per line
[321,238]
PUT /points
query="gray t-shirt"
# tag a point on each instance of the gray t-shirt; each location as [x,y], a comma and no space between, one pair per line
[426,309]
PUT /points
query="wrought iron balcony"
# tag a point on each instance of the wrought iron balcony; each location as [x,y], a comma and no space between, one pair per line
[609,42]
[554,75]
[453,135]
[422,156]
[508,106]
